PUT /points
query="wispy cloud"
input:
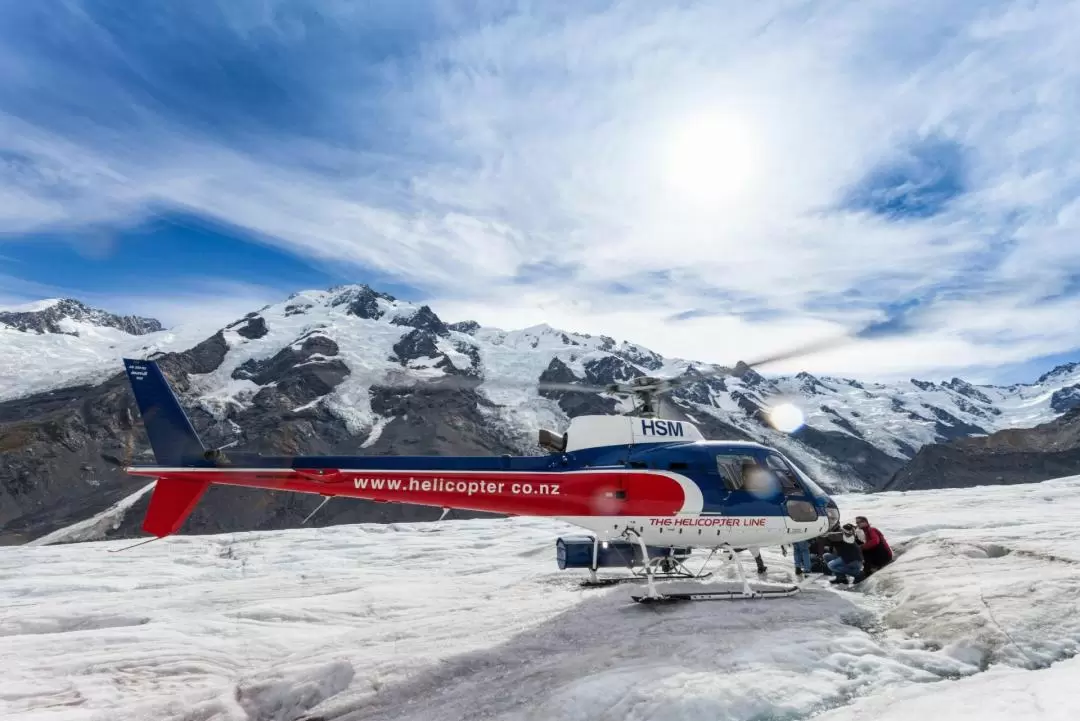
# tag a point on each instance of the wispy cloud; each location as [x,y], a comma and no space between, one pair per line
[717,181]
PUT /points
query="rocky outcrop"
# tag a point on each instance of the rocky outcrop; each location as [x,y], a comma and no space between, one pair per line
[252,326]
[1065,399]
[469,327]
[1022,455]
[424,319]
[852,456]
[573,403]
[361,301]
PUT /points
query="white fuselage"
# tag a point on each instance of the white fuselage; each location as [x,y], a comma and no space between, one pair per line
[703,530]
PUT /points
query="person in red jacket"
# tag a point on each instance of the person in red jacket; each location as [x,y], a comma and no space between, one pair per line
[876,551]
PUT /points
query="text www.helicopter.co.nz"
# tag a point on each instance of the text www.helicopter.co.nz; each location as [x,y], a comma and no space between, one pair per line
[447,485]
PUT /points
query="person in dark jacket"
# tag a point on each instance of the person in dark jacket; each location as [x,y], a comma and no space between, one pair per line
[875,549]
[848,559]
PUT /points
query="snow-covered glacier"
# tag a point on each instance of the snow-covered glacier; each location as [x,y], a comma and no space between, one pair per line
[978,617]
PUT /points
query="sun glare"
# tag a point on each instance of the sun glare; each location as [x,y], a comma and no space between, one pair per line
[711,157]
[786,418]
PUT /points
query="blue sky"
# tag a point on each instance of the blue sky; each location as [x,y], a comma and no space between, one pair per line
[714,181]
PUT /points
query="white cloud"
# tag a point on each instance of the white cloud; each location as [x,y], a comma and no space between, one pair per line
[709,141]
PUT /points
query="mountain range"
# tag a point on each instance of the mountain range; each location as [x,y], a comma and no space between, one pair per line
[353,370]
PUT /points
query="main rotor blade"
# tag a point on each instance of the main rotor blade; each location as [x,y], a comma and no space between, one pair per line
[803,350]
[568,387]
[875,330]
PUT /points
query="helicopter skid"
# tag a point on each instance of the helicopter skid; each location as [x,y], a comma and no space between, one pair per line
[638,577]
[743,590]
[659,568]
[718,595]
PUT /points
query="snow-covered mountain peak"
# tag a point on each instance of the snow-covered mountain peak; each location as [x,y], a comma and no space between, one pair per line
[1065,370]
[31,307]
[71,317]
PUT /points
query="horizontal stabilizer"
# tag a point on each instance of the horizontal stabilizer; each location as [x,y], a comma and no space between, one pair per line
[172,502]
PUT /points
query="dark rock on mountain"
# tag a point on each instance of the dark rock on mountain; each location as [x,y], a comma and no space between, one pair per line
[49,320]
[204,358]
[423,343]
[1058,371]
[810,385]
[285,360]
[60,456]
[947,426]
[466,326]
[1016,455]
[583,404]
[424,319]
[572,403]
[608,370]
[643,357]
[966,389]
[749,406]
[699,391]
[841,421]
[361,301]
[475,361]
[414,345]
[1065,399]
[851,455]
[252,326]
[295,376]
[968,407]
[923,385]
[750,377]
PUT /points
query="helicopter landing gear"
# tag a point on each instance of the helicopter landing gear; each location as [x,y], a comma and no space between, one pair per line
[665,568]
[652,595]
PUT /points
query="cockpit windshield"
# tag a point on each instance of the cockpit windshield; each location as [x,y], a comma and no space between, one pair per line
[811,486]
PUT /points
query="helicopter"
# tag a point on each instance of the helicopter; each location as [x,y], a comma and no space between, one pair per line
[649,490]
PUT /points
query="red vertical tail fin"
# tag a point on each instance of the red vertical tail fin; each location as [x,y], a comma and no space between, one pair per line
[171,503]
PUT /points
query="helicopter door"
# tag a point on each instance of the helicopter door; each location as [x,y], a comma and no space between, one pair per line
[798,502]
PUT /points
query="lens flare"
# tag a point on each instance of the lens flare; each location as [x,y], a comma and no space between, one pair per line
[786,418]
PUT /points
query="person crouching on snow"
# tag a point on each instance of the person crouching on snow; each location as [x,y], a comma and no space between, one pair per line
[848,559]
[875,549]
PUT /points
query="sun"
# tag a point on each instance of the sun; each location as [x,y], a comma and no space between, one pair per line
[711,157]
[786,418]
